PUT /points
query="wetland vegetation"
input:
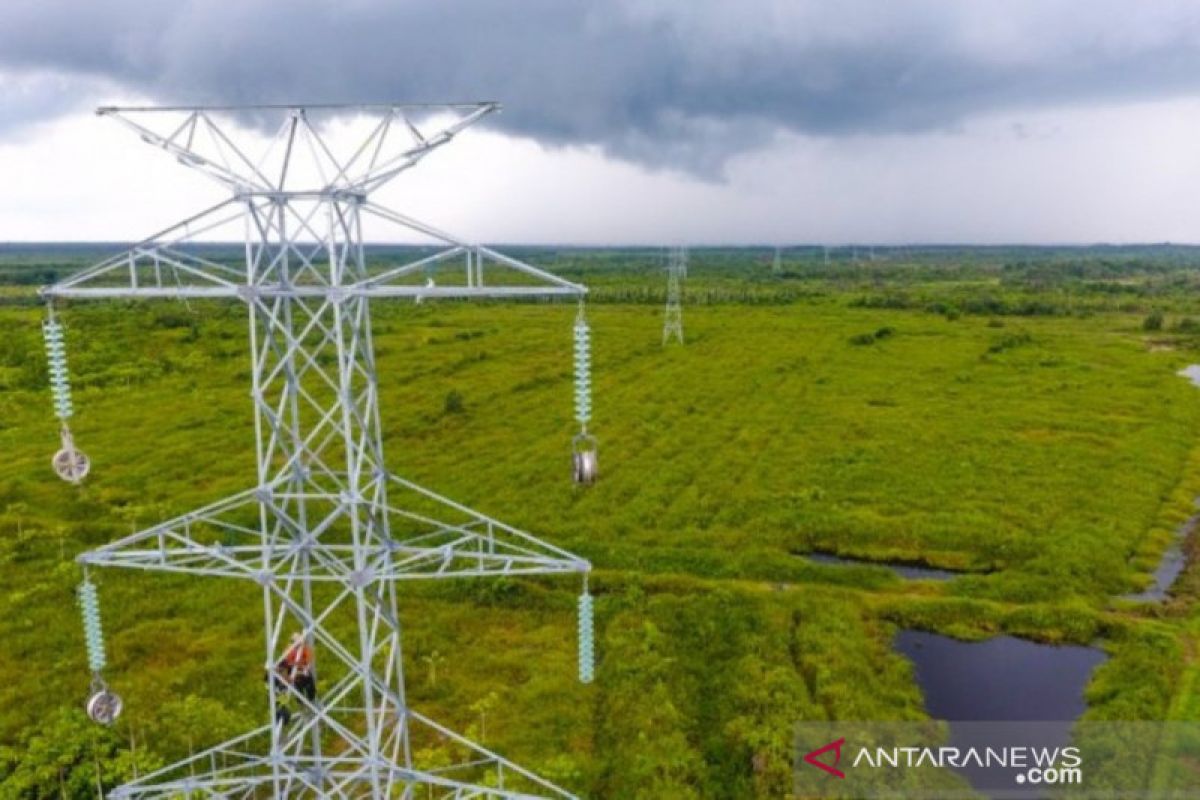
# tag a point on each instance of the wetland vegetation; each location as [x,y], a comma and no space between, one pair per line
[1013,414]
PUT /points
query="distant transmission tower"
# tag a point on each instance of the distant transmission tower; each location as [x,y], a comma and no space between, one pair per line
[777,264]
[676,272]
[326,531]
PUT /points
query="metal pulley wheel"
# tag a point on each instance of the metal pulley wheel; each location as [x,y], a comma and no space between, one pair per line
[70,464]
[585,461]
[104,706]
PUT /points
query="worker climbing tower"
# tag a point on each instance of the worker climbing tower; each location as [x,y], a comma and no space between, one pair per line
[324,531]
[673,317]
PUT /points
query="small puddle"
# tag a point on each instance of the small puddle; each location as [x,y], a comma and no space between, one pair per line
[912,572]
[1169,568]
[1002,679]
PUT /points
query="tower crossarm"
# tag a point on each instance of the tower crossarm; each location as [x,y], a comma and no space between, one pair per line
[163,265]
[180,142]
[444,540]
[172,265]
[378,172]
[199,137]
[485,271]
[236,769]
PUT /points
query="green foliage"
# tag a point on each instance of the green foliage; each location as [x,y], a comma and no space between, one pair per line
[871,338]
[183,726]
[768,703]
[1009,341]
[66,755]
[1141,683]
[1188,325]
[639,698]
[454,403]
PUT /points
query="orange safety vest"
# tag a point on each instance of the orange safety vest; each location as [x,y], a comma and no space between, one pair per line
[298,659]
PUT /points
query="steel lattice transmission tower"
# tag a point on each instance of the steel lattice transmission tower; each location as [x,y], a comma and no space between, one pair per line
[325,530]
[677,261]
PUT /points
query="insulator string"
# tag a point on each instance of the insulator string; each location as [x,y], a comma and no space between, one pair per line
[70,464]
[60,380]
[583,371]
[93,631]
[587,651]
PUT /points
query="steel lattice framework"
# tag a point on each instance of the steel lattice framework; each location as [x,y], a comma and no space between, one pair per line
[673,316]
[326,530]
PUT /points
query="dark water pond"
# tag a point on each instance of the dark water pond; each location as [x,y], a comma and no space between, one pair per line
[1003,679]
[907,571]
[1172,564]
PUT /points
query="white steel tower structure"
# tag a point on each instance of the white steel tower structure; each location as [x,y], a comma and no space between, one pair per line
[325,530]
[673,317]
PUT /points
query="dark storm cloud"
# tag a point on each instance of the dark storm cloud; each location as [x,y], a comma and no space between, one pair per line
[685,83]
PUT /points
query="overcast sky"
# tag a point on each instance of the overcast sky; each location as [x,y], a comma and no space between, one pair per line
[646,120]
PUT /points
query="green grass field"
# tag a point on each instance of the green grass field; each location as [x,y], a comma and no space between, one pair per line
[1048,455]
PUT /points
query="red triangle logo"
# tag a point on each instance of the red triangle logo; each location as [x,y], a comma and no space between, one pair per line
[834,747]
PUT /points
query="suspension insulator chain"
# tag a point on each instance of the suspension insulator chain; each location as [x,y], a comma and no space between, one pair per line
[583,372]
[60,382]
[103,706]
[587,650]
[586,467]
[69,463]
[93,632]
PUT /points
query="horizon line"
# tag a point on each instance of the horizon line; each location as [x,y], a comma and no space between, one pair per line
[666,244]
